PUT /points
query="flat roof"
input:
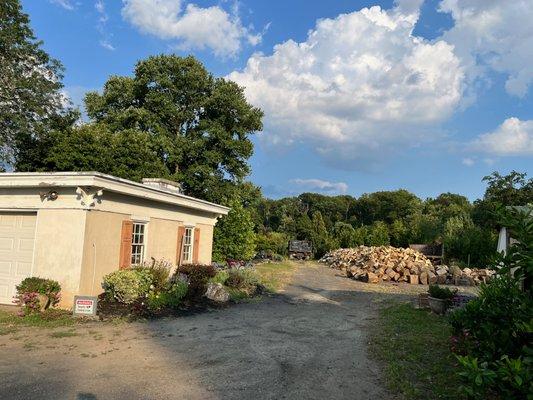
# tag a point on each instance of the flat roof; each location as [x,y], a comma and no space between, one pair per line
[109,183]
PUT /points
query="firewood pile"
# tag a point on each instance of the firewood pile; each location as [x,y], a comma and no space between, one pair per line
[387,263]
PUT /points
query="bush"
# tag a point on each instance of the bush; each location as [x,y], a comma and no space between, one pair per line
[234,235]
[493,332]
[28,292]
[127,285]
[442,293]
[170,297]
[158,271]
[198,276]
[271,243]
[242,278]
[494,322]
[465,242]
[220,277]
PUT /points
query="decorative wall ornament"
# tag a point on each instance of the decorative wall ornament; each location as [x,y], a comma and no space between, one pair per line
[49,196]
[88,197]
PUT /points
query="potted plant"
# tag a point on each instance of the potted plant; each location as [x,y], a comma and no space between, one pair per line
[440,298]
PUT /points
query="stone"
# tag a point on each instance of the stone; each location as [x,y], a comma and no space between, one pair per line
[413,279]
[217,292]
[455,270]
[424,278]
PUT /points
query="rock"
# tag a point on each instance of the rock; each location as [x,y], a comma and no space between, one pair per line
[413,279]
[424,278]
[44,302]
[432,278]
[455,270]
[217,292]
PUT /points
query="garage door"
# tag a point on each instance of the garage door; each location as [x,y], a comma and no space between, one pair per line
[17,236]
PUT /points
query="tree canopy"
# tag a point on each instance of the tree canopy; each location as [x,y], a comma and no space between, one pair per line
[171,119]
[31,102]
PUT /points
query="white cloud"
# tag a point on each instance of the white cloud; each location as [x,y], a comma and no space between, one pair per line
[66,4]
[101,27]
[321,186]
[512,138]
[468,161]
[192,26]
[494,34]
[361,85]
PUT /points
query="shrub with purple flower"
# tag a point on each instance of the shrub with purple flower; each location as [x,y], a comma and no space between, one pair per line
[35,294]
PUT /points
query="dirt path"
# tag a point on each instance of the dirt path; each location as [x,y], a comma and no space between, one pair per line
[307,342]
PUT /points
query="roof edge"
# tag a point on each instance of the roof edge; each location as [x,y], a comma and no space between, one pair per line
[98,176]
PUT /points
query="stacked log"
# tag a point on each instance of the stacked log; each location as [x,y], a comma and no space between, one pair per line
[387,263]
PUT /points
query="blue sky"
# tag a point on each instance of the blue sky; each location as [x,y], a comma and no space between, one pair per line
[359,96]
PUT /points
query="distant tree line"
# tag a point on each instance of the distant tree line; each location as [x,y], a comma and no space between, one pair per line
[468,230]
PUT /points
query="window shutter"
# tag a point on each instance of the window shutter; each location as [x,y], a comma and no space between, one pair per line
[125,244]
[196,246]
[179,247]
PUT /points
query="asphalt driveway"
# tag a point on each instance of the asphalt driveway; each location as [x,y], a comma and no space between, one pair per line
[308,342]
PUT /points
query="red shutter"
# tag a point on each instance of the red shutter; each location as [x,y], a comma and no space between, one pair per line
[196,246]
[179,247]
[125,244]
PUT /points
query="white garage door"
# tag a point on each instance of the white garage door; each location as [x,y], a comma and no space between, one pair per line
[17,236]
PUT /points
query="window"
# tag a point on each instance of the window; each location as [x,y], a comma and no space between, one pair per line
[138,243]
[187,244]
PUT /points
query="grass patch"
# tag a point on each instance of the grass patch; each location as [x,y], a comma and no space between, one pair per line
[414,346]
[7,330]
[274,276]
[51,318]
[237,295]
[63,334]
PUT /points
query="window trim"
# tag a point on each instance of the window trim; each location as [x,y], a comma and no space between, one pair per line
[190,245]
[144,244]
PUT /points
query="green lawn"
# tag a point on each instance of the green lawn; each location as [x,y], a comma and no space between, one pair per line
[52,318]
[274,276]
[414,348]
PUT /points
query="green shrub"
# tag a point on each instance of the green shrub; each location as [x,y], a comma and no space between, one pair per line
[242,278]
[28,292]
[157,271]
[494,334]
[198,276]
[442,293]
[494,322]
[127,285]
[221,277]
[272,243]
[171,296]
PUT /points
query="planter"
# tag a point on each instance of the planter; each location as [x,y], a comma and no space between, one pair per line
[438,306]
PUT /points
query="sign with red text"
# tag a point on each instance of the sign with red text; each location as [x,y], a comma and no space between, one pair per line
[85,305]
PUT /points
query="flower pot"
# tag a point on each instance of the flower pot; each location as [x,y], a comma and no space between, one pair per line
[438,306]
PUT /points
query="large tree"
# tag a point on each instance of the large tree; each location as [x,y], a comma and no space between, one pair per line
[171,119]
[30,85]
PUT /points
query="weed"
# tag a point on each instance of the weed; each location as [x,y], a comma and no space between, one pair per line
[62,334]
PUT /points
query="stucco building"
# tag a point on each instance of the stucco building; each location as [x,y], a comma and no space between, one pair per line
[76,227]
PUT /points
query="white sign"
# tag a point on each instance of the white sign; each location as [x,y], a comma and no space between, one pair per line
[85,305]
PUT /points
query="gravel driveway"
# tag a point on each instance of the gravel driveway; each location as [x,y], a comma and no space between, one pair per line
[307,342]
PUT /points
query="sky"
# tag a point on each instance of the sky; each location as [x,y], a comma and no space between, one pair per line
[358,96]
